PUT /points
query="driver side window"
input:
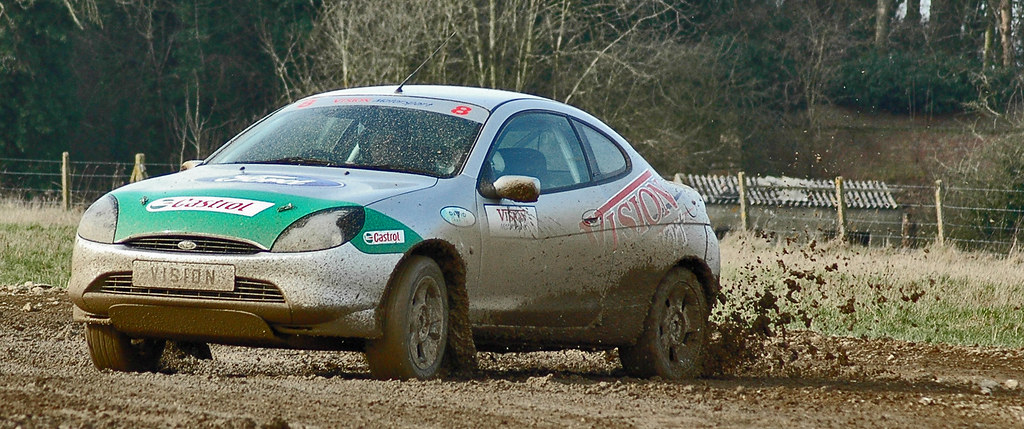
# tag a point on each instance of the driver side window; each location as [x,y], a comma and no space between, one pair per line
[539,145]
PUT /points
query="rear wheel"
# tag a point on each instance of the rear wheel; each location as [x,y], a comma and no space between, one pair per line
[675,337]
[112,349]
[415,324]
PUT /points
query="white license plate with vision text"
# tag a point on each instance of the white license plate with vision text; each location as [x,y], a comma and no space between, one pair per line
[182,275]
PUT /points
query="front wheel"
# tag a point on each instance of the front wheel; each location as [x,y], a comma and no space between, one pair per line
[112,349]
[675,337]
[415,324]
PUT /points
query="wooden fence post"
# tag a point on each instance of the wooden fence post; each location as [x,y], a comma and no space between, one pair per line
[65,180]
[743,201]
[941,235]
[139,170]
[905,230]
[840,211]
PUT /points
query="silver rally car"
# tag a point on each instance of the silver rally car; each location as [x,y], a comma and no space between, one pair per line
[417,224]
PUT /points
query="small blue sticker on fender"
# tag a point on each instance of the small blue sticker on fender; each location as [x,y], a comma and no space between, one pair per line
[458,216]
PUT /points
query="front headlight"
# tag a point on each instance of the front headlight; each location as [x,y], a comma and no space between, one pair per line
[99,221]
[321,230]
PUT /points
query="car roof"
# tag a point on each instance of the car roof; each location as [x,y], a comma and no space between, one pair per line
[483,97]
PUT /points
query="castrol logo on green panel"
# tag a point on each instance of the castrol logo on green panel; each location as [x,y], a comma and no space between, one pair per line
[236,206]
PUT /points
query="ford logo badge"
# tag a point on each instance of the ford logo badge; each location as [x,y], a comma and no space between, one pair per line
[187,245]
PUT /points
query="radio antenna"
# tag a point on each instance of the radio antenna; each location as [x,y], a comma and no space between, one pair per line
[399,89]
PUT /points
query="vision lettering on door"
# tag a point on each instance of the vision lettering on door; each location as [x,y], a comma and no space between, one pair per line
[632,212]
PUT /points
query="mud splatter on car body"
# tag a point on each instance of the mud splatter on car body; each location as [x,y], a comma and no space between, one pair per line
[543,228]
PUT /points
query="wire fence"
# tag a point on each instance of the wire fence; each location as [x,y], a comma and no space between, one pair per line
[866,212]
[69,182]
[971,218]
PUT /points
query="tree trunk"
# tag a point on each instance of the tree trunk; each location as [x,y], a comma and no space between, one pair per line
[526,47]
[882,23]
[481,67]
[986,57]
[491,42]
[1006,31]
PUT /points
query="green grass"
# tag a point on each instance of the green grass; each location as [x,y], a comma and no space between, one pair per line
[936,295]
[934,323]
[35,244]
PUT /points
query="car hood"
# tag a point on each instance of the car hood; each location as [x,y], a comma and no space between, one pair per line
[255,203]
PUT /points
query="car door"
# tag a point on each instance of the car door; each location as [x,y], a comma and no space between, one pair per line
[624,223]
[538,266]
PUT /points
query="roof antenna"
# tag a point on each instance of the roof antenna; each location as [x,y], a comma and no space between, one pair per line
[399,89]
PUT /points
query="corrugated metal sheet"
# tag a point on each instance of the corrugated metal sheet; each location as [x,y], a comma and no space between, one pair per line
[791,192]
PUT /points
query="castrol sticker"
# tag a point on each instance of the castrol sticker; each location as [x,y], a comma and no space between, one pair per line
[396,236]
[236,206]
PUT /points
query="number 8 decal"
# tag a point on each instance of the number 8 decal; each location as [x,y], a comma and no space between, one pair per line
[462,110]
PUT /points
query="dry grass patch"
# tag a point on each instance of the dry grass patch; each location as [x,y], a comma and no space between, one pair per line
[35,243]
[38,213]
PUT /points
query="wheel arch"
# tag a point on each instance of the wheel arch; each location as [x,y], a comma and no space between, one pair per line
[708,280]
[453,267]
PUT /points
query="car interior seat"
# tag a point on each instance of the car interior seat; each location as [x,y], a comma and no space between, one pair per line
[524,162]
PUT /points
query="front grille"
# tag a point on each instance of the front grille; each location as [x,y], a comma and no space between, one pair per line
[245,290]
[202,245]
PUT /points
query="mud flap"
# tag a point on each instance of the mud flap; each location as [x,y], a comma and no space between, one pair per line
[462,349]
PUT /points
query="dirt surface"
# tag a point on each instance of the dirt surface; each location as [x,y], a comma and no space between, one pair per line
[47,380]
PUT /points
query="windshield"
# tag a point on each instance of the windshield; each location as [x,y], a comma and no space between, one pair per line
[429,137]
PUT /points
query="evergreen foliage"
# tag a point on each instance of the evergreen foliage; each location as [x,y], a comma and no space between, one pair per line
[907,82]
[697,86]
[38,103]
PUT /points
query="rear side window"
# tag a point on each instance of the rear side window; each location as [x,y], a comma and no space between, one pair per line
[608,160]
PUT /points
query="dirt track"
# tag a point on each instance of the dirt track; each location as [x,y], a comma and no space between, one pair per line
[47,380]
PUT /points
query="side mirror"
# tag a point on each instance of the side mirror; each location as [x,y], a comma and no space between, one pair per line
[187,165]
[522,189]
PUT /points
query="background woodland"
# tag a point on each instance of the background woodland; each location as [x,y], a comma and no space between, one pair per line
[899,90]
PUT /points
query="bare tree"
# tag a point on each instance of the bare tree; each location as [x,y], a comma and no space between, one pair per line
[913,15]
[190,125]
[882,17]
[1006,31]
[816,45]
[360,42]
[87,8]
[508,44]
[620,60]
[503,40]
[637,22]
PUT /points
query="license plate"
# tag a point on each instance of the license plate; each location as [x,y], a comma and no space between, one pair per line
[181,275]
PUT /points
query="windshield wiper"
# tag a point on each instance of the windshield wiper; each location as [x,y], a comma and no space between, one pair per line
[298,160]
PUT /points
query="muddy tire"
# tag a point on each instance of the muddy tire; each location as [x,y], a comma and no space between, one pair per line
[111,349]
[415,324]
[675,337]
